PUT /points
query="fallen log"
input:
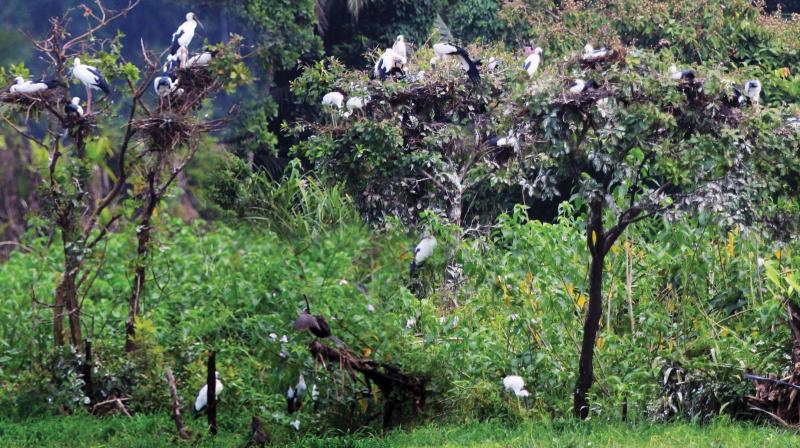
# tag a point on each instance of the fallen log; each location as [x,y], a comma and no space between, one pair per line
[391,381]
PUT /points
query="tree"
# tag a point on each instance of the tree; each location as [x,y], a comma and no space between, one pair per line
[77,150]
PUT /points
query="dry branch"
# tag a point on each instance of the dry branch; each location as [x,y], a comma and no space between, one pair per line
[176,406]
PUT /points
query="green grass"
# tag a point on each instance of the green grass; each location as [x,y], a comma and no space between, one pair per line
[155,431]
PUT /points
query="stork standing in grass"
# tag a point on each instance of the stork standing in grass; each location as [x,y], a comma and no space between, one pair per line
[21,85]
[202,396]
[422,252]
[294,396]
[334,101]
[92,79]
[183,37]
[515,383]
[532,62]
[445,50]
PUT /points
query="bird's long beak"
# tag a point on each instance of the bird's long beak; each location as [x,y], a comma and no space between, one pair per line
[199,23]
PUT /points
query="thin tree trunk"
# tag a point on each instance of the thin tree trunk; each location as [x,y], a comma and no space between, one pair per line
[176,406]
[66,291]
[211,407]
[88,386]
[140,272]
[590,329]
[629,284]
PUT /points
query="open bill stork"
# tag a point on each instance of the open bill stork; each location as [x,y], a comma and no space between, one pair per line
[183,36]
[469,65]
[92,79]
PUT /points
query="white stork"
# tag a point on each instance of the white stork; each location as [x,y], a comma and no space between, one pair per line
[164,84]
[201,59]
[388,64]
[294,395]
[677,75]
[752,89]
[590,54]
[183,36]
[21,85]
[73,108]
[334,101]
[355,103]
[202,396]
[581,86]
[399,47]
[516,384]
[422,252]
[503,142]
[533,61]
[469,65]
[92,79]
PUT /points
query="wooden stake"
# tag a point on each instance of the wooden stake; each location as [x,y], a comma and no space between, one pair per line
[212,393]
[629,283]
[176,406]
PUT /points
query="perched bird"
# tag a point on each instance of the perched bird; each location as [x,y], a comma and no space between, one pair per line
[492,64]
[532,62]
[581,86]
[422,252]
[315,324]
[23,86]
[173,63]
[516,384]
[294,396]
[590,54]
[202,396]
[165,84]
[687,75]
[73,108]
[469,65]
[334,99]
[184,34]
[399,47]
[502,142]
[91,78]
[752,89]
[202,59]
[736,98]
[390,63]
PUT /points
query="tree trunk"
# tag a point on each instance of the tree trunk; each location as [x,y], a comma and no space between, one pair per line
[143,235]
[211,380]
[67,290]
[176,406]
[590,329]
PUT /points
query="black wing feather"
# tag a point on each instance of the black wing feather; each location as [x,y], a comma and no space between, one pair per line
[100,81]
[173,48]
[472,72]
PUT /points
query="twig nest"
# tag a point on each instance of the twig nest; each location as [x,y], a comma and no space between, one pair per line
[80,126]
[165,131]
[38,100]
[583,99]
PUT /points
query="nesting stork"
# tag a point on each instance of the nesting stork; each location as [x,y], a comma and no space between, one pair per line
[21,85]
[164,84]
[294,396]
[516,384]
[202,59]
[678,75]
[581,86]
[73,108]
[752,89]
[333,101]
[389,63]
[202,396]
[533,61]
[92,79]
[422,252]
[399,47]
[183,36]
[444,50]
[590,54]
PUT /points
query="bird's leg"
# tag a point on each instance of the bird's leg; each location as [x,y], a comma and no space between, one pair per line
[88,101]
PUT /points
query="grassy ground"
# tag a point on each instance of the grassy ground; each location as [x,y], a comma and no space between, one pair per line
[148,431]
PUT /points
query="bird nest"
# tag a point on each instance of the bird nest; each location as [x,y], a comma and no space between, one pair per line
[194,83]
[582,100]
[80,126]
[168,130]
[614,55]
[45,100]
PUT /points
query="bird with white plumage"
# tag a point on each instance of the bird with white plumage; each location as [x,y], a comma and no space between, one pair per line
[74,108]
[590,54]
[515,384]
[202,397]
[183,36]
[92,79]
[422,252]
[399,47]
[448,50]
[21,85]
[294,395]
[532,61]
[752,89]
